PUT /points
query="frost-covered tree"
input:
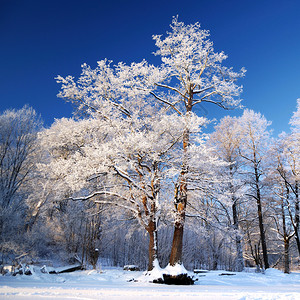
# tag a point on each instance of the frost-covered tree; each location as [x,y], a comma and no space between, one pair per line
[255,140]
[191,73]
[227,141]
[194,74]
[120,161]
[18,132]
[282,200]
[292,152]
[288,169]
[295,120]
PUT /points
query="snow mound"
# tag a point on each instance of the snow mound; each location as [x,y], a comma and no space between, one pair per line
[175,270]
[156,273]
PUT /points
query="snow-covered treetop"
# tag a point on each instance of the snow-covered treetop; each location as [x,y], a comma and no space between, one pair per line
[109,90]
[190,73]
[226,138]
[188,55]
[292,144]
[254,130]
[295,120]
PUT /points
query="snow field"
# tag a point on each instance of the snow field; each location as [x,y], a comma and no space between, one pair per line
[114,283]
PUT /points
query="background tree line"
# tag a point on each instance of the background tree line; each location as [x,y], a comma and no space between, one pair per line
[257,187]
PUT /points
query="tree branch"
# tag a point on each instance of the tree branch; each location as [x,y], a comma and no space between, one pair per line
[166,102]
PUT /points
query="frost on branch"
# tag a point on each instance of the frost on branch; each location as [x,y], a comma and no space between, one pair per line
[188,56]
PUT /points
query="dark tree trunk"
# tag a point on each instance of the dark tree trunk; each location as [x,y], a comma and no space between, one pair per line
[297,217]
[294,218]
[297,240]
[286,241]
[176,251]
[286,255]
[215,263]
[262,234]
[286,236]
[260,219]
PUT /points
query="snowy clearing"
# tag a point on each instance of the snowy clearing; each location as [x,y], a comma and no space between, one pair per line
[115,283]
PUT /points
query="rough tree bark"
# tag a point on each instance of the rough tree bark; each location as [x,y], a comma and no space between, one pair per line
[153,246]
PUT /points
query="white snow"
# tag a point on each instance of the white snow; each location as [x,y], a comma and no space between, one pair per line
[176,270]
[156,273]
[115,283]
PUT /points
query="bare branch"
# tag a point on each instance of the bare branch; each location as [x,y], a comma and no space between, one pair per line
[172,89]
[203,90]
[131,181]
[90,196]
[166,102]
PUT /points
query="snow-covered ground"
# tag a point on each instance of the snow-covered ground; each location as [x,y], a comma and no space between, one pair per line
[114,283]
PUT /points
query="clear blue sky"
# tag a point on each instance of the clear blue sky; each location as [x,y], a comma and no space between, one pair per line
[40,39]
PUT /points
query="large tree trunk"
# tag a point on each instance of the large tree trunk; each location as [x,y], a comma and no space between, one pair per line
[180,202]
[152,231]
[176,251]
[286,256]
[180,206]
[262,234]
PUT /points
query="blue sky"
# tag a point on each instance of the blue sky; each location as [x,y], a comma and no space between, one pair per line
[40,39]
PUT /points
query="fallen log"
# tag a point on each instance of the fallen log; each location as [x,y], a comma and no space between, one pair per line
[68,269]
